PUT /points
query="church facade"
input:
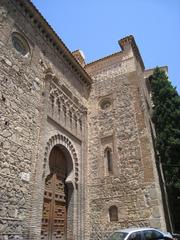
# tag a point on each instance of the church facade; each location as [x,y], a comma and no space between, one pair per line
[76,147]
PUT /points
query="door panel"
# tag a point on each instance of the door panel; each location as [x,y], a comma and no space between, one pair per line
[59,226]
[45,219]
[54,208]
[59,211]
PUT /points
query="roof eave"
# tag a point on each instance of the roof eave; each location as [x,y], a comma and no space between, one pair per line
[35,16]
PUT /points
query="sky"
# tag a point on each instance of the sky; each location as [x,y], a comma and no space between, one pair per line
[95,26]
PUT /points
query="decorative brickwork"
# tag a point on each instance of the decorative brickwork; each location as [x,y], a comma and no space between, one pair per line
[65,142]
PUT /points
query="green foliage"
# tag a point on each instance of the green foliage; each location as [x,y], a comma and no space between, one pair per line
[166,117]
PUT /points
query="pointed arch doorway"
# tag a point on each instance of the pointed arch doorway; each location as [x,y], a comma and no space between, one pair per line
[54,216]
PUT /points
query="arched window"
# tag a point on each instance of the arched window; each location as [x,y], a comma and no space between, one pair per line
[52,100]
[20,44]
[105,104]
[113,214]
[108,158]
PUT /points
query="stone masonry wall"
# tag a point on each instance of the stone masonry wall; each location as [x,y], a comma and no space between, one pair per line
[23,120]
[44,103]
[132,185]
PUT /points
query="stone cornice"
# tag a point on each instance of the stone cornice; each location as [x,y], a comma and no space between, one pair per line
[31,12]
[148,72]
[123,43]
[129,40]
[104,58]
[165,68]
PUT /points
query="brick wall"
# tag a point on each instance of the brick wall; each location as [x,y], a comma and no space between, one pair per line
[132,186]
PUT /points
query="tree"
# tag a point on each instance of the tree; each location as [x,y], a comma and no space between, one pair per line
[166,118]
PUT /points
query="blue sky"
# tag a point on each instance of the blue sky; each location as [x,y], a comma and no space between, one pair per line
[95,26]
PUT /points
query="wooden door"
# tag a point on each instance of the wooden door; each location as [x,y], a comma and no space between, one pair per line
[54,219]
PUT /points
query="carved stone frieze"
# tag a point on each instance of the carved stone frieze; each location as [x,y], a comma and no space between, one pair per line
[64,110]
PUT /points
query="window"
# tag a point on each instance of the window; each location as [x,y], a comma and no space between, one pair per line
[152,234]
[108,158]
[118,236]
[135,236]
[148,84]
[20,44]
[113,214]
[105,104]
